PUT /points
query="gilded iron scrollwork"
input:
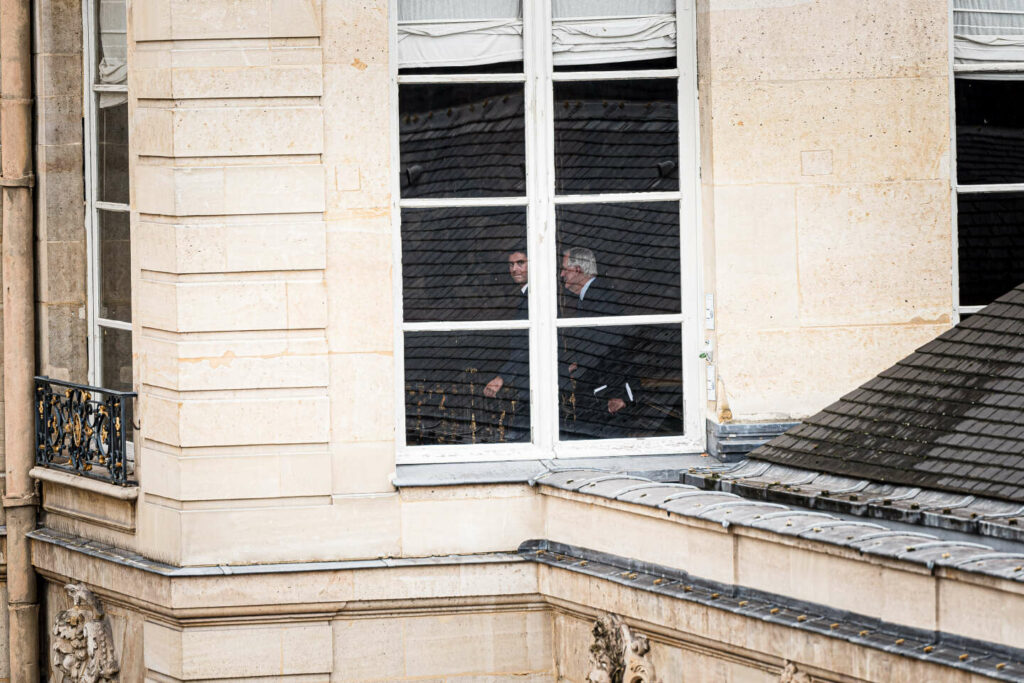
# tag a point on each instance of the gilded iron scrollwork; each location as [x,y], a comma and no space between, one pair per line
[82,429]
[617,655]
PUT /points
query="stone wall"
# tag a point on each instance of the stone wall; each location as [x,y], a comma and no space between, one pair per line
[826,143]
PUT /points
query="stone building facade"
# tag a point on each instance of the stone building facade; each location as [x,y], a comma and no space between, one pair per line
[236,259]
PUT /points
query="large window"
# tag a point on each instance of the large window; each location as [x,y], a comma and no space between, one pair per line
[546,197]
[988,64]
[106,187]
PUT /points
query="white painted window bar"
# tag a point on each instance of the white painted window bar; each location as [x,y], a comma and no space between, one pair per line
[104,43]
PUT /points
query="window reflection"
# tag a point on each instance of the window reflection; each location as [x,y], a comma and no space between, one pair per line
[115,265]
[462,140]
[989,131]
[635,258]
[112,153]
[991,245]
[447,376]
[616,136]
[455,263]
[617,382]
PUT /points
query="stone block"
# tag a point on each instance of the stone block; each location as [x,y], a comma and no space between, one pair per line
[755,40]
[357,142]
[507,643]
[846,583]
[793,373]
[243,245]
[291,360]
[61,202]
[59,73]
[362,467]
[499,524]
[878,130]
[225,474]
[360,291]
[875,254]
[58,26]
[232,306]
[251,650]
[757,279]
[59,119]
[218,191]
[244,68]
[65,266]
[219,19]
[362,396]
[985,613]
[700,549]
[369,649]
[247,420]
[229,131]
[65,352]
[346,529]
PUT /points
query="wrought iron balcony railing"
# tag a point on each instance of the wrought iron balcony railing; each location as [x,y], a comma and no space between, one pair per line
[82,429]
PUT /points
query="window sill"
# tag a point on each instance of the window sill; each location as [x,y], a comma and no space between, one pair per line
[128,493]
[665,468]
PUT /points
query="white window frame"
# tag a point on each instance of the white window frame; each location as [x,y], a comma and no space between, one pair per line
[956,188]
[93,205]
[541,200]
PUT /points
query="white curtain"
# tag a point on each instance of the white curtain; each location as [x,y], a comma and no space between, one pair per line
[440,33]
[988,31]
[112,64]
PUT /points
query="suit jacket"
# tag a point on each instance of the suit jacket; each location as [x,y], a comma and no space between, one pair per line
[515,371]
[602,372]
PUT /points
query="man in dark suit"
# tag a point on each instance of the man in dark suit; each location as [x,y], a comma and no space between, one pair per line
[593,378]
[515,371]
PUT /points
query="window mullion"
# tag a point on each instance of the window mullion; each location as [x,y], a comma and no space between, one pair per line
[540,220]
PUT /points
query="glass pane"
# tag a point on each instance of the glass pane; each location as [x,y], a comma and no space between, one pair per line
[462,140]
[115,266]
[112,44]
[112,153]
[990,231]
[616,382]
[989,131]
[616,136]
[609,35]
[467,387]
[116,347]
[464,263]
[618,259]
[460,36]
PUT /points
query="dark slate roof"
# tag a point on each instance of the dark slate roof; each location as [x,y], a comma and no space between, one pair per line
[949,417]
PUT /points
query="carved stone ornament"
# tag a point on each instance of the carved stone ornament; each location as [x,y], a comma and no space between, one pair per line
[618,655]
[83,648]
[790,674]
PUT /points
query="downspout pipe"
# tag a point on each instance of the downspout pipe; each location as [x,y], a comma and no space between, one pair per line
[16,181]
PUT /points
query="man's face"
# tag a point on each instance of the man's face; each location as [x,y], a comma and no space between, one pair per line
[572,276]
[518,267]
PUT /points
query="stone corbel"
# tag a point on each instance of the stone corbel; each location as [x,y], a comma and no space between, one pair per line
[83,647]
[617,655]
[790,674]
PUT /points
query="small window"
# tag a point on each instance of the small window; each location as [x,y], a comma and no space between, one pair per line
[107,193]
[546,201]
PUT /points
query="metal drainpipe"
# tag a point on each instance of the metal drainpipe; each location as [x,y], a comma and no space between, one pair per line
[19,499]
